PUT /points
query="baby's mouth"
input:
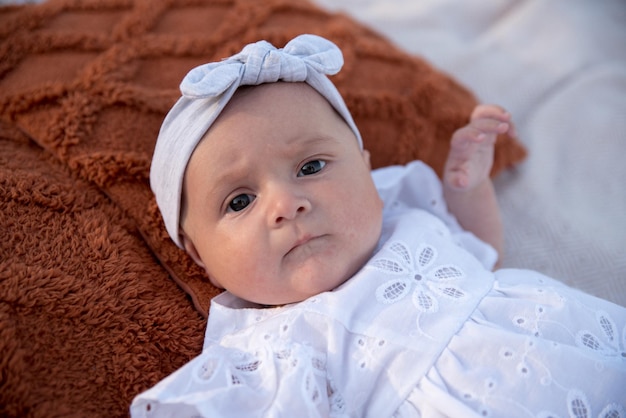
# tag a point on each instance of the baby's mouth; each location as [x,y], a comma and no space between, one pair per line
[305,245]
[300,242]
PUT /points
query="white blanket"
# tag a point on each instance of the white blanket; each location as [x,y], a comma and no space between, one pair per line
[559,66]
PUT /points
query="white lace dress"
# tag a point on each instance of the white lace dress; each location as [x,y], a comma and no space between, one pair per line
[425,329]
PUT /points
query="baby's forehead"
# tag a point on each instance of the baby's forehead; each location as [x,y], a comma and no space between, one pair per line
[270,104]
[296,93]
[273,107]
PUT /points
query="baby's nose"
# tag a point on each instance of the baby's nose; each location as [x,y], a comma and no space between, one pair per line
[287,204]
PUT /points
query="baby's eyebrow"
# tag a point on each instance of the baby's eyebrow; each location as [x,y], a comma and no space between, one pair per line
[227,177]
[221,179]
[310,141]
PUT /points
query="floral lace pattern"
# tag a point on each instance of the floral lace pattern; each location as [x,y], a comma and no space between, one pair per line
[576,402]
[613,347]
[579,407]
[605,340]
[419,273]
[231,367]
[551,334]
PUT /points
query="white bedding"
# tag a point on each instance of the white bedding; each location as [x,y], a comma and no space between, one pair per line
[559,66]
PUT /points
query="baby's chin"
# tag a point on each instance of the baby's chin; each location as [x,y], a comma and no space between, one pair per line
[283,301]
[308,278]
[294,297]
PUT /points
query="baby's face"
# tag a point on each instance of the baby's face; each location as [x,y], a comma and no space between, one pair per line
[279,200]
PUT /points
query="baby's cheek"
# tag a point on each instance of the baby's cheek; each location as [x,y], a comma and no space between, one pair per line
[214,281]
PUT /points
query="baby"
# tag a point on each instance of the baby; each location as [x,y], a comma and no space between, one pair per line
[351,292]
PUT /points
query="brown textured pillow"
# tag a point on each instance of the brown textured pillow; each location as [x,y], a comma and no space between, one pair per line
[87,317]
[89,82]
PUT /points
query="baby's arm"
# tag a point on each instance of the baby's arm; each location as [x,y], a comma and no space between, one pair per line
[468,190]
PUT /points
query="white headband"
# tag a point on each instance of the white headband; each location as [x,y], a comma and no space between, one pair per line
[207,89]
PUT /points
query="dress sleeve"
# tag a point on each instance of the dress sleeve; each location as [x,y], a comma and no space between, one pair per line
[230,382]
[416,185]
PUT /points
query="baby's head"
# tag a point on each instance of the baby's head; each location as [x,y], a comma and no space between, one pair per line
[267,186]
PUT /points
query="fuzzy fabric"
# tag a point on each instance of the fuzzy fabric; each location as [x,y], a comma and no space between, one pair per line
[87,316]
[89,313]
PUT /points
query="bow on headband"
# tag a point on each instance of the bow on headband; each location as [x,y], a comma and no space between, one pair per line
[261,62]
[207,89]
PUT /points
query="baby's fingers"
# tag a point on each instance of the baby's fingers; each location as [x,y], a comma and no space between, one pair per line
[489,111]
[490,125]
[471,134]
[493,112]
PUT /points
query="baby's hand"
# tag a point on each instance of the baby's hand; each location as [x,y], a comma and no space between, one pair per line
[471,149]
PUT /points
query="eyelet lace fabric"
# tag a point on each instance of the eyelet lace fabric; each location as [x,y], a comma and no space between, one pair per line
[424,329]
[565,349]
[418,274]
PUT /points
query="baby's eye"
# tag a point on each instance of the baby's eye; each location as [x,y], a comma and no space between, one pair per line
[240,202]
[311,167]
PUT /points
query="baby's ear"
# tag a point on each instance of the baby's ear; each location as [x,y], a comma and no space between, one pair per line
[190,248]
